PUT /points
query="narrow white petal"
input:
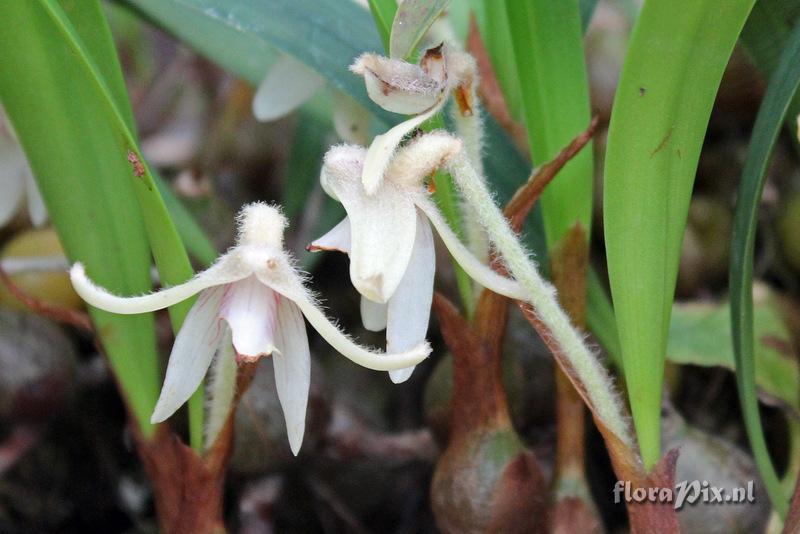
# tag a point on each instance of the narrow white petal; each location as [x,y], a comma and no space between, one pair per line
[383,146]
[292,365]
[222,272]
[37,211]
[12,184]
[251,310]
[479,272]
[197,340]
[338,239]
[286,86]
[222,387]
[284,279]
[373,314]
[382,226]
[410,306]
[351,120]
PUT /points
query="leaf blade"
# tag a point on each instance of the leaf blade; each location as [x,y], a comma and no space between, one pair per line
[781,92]
[673,68]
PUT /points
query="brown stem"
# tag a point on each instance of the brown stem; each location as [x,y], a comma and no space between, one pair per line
[51,311]
[792,524]
[188,488]
[569,263]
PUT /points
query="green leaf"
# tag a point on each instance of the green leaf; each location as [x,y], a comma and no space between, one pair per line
[79,159]
[700,334]
[326,35]
[195,238]
[548,50]
[97,77]
[600,319]
[781,91]
[493,24]
[587,8]
[676,57]
[383,11]
[764,37]
[411,23]
[170,256]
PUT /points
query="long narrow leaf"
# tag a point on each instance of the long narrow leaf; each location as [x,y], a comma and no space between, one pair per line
[675,61]
[98,72]
[548,50]
[764,37]
[75,151]
[97,55]
[383,11]
[777,101]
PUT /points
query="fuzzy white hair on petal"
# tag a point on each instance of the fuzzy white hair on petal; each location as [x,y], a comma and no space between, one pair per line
[260,223]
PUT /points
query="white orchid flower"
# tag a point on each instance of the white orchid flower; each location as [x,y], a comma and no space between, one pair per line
[389,240]
[254,299]
[16,179]
[401,87]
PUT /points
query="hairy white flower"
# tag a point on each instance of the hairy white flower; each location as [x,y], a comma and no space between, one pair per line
[16,179]
[254,299]
[389,239]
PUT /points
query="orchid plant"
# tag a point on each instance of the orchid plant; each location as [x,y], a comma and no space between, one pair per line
[419,182]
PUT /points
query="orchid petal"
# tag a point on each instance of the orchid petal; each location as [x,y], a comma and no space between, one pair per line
[351,120]
[398,86]
[292,365]
[251,310]
[337,238]
[222,387]
[410,307]
[383,147]
[195,344]
[37,211]
[479,272]
[382,227]
[373,314]
[287,85]
[225,270]
[11,182]
[282,278]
